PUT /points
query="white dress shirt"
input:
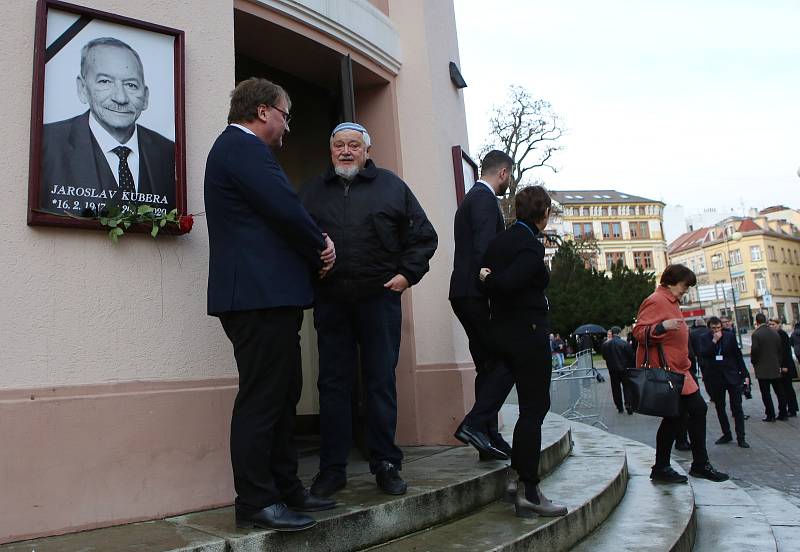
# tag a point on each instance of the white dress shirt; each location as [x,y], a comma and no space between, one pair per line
[107,143]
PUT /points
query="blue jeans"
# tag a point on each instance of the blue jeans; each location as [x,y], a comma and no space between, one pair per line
[348,331]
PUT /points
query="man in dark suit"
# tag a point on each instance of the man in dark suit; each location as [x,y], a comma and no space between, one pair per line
[102,157]
[619,356]
[264,250]
[766,356]
[724,372]
[478,220]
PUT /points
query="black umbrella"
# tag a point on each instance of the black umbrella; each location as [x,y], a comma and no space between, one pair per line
[589,329]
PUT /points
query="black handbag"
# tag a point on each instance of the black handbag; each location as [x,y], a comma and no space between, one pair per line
[656,390]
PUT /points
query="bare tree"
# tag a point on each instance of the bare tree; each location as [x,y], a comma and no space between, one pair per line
[528,130]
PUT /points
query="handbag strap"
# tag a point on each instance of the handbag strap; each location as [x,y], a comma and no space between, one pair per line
[661,357]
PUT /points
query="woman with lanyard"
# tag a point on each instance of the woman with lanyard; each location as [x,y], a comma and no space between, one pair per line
[515,277]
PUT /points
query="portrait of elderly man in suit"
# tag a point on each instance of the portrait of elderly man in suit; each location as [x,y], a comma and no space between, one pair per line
[102,156]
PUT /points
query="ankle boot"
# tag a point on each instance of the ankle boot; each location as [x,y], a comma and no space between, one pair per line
[530,501]
[510,494]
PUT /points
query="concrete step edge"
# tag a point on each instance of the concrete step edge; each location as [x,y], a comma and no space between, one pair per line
[651,517]
[367,518]
[591,485]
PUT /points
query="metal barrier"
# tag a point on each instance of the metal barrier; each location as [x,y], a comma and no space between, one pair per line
[573,391]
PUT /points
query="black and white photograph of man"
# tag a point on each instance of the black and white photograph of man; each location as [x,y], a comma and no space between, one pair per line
[103,156]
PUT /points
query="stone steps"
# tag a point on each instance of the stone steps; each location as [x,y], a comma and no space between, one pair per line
[442,486]
[453,504]
[590,484]
[651,517]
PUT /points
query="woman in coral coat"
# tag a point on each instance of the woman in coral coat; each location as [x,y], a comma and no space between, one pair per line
[660,316]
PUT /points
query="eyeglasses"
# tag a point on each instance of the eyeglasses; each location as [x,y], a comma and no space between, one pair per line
[286,116]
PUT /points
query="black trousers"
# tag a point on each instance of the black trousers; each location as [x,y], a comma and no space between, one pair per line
[525,347]
[778,386]
[735,394]
[369,330]
[494,379]
[789,393]
[266,345]
[620,388]
[693,414]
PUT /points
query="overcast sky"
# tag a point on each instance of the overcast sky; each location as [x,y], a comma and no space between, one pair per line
[694,103]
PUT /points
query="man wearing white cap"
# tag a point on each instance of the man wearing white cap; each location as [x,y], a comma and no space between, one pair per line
[384,242]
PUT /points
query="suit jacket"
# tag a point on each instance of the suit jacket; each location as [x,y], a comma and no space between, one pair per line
[519,277]
[478,220]
[71,157]
[731,369]
[766,353]
[263,245]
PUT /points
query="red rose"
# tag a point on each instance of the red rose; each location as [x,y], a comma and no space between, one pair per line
[185,223]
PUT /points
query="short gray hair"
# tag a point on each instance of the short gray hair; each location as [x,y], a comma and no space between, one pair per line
[107,41]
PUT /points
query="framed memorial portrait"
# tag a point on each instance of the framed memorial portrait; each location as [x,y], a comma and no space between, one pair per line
[107,117]
[466,172]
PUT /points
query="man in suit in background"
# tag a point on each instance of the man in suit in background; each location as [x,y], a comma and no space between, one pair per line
[724,372]
[102,156]
[264,250]
[765,354]
[619,356]
[478,220]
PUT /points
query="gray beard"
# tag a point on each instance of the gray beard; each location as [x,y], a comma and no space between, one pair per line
[348,173]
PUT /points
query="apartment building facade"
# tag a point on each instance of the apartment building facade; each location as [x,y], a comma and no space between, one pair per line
[757,257]
[625,228]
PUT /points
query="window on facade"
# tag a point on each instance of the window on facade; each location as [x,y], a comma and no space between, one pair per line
[736,257]
[615,257]
[740,283]
[783,255]
[761,285]
[643,259]
[614,211]
[612,230]
[701,264]
[776,281]
[716,261]
[582,229]
[604,211]
[639,230]
[755,252]
[585,211]
[781,312]
[796,257]
[641,210]
[771,253]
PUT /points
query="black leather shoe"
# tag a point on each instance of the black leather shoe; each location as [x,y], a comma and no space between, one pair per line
[304,501]
[683,445]
[628,409]
[389,480]
[768,419]
[620,409]
[742,443]
[724,439]
[707,471]
[500,444]
[667,475]
[792,414]
[480,441]
[782,417]
[277,517]
[326,483]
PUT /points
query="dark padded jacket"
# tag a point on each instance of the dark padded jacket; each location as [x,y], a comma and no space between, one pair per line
[378,227]
[618,354]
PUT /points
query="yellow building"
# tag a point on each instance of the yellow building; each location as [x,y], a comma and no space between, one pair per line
[758,257]
[626,227]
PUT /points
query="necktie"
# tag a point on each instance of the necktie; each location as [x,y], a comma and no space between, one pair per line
[125,175]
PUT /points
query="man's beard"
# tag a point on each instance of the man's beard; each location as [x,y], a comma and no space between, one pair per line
[348,173]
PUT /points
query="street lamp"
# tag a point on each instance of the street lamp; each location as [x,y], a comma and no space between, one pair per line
[736,236]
